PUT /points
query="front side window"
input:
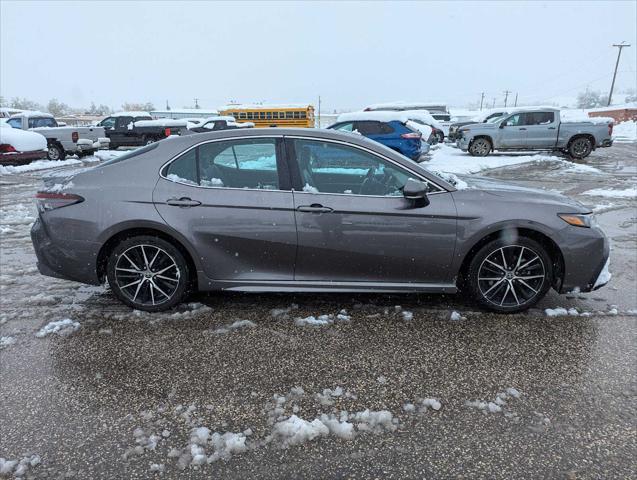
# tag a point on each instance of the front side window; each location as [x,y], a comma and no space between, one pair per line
[124,122]
[249,163]
[108,122]
[327,167]
[39,122]
[515,120]
[344,127]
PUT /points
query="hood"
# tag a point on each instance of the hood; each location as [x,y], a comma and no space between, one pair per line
[520,192]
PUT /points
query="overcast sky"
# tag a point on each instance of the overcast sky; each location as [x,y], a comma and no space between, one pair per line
[351,54]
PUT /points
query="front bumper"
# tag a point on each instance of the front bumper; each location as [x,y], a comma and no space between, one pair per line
[586,253]
[463,143]
[607,143]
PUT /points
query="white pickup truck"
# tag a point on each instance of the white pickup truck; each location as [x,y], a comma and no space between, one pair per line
[537,129]
[80,141]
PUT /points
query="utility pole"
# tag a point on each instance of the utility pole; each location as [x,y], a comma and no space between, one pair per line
[506,96]
[619,54]
[481,100]
[196,103]
[493,106]
[516,99]
[319,112]
[167,106]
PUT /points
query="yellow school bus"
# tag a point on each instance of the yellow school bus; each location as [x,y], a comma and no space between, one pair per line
[272,115]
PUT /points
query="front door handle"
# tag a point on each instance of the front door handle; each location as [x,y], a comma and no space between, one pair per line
[551,128]
[315,208]
[523,129]
[183,202]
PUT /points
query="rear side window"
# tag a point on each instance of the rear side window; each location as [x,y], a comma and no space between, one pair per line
[540,118]
[247,163]
[38,122]
[184,169]
[123,122]
[368,128]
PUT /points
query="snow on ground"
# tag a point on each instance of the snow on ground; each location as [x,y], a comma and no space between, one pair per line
[239,324]
[37,165]
[625,132]
[18,468]
[61,327]
[496,405]
[456,316]
[453,160]
[421,405]
[612,193]
[323,320]
[6,341]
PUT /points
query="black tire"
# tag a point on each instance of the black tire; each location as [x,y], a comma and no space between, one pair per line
[480,147]
[440,136]
[511,289]
[147,140]
[145,288]
[55,152]
[113,146]
[580,147]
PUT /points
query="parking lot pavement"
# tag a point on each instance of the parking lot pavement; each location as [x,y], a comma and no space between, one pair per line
[396,387]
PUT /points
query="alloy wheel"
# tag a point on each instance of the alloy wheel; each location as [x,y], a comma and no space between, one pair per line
[54,153]
[511,276]
[480,147]
[580,147]
[147,275]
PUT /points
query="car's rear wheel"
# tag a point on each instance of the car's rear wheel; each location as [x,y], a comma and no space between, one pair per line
[148,273]
[480,147]
[440,136]
[510,275]
[56,152]
[580,147]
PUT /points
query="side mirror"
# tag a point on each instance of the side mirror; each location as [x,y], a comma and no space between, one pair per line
[416,192]
[503,124]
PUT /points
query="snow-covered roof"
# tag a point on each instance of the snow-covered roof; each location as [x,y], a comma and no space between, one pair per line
[389,116]
[622,106]
[32,113]
[193,111]
[402,105]
[22,140]
[130,114]
[259,106]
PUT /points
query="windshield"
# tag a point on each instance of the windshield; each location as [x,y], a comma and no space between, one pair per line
[494,119]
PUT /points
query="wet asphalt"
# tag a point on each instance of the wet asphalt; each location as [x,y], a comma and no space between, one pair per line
[76,400]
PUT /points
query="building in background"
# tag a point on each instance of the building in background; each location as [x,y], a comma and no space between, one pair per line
[184,113]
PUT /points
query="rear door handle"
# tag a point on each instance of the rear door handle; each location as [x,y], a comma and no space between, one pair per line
[551,128]
[315,208]
[183,202]
[523,129]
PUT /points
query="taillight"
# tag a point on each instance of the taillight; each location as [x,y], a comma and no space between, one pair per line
[50,201]
[6,148]
[610,129]
[75,137]
[412,135]
[167,132]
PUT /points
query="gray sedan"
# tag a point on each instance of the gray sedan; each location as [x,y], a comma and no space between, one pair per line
[307,211]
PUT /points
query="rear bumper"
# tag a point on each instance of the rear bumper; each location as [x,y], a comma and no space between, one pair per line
[606,143]
[73,261]
[21,157]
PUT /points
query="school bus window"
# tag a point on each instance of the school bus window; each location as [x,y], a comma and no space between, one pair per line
[242,115]
[261,114]
[268,115]
[297,114]
[289,115]
[303,115]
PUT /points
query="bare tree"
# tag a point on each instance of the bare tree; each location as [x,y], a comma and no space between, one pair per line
[591,99]
[25,104]
[143,107]
[57,108]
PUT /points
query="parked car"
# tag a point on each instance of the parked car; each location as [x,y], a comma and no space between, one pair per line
[132,129]
[214,124]
[61,141]
[441,118]
[392,129]
[277,209]
[539,129]
[19,146]
[488,116]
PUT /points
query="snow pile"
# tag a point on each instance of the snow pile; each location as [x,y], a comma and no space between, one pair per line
[421,405]
[6,341]
[563,312]
[625,132]
[497,405]
[37,165]
[323,320]
[327,397]
[603,192]
[455,316]
[144,442]
[193,309]
[58,187]
[283,312]
[239,324]
[60,327]
[450,178]
[18,468]
[177,179]
[19,214]
[310,189]
[375,421]
[295,431]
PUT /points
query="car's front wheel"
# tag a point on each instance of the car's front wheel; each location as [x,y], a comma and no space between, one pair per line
[480,147]
[148,273]
[56,152]
[510,275]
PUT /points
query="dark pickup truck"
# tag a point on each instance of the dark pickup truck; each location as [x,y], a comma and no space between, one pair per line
[132,129]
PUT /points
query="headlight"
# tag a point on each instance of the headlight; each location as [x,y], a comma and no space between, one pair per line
[465,129]
[585,220]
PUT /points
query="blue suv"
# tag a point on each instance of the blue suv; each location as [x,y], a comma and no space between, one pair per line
[393,134]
